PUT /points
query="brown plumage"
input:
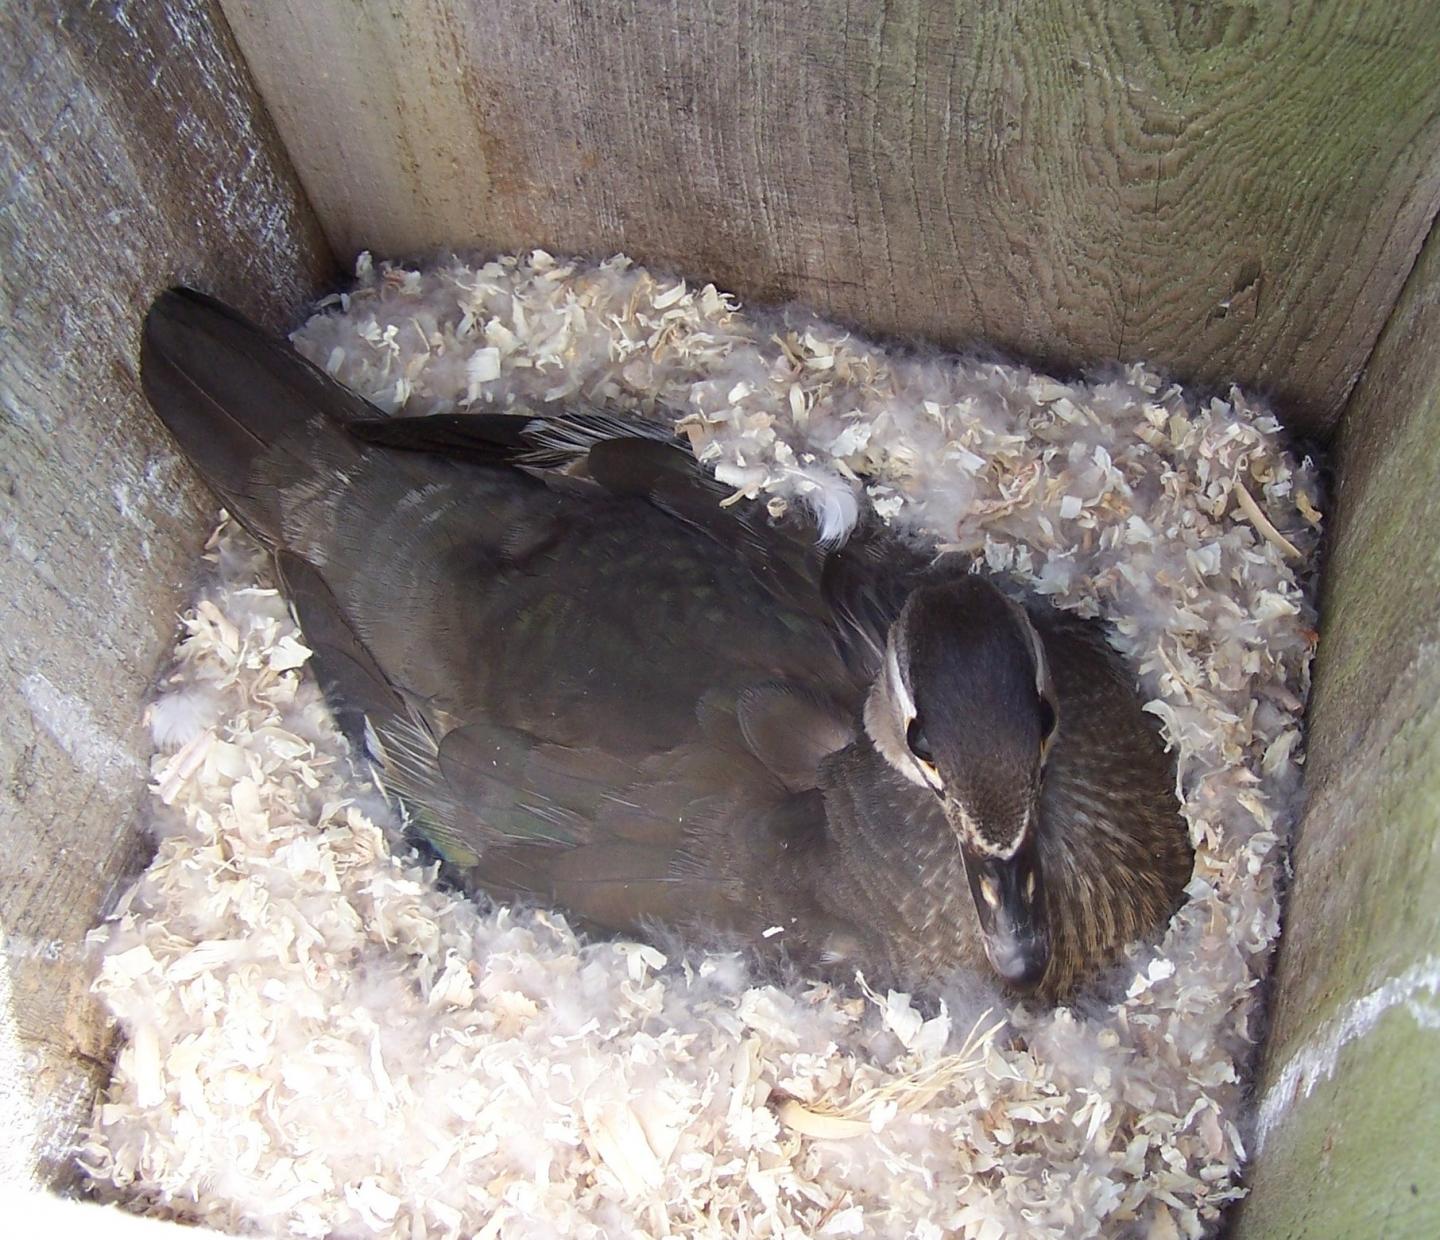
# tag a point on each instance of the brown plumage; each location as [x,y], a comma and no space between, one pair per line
[593,686]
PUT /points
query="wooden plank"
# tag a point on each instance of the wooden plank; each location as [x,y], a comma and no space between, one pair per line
[133,152]
[1348,1106]
[1232,190]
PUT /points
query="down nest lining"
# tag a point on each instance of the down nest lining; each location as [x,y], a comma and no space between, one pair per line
[319,1040]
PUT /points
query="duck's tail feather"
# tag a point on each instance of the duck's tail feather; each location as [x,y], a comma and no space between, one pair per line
[230,393]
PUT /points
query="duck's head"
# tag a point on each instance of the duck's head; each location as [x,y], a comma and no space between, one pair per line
[963,706]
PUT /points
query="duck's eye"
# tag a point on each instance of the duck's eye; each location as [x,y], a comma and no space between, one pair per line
[919,744]
[1048,718]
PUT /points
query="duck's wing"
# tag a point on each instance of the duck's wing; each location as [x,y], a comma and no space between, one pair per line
[721,829]
[644,714]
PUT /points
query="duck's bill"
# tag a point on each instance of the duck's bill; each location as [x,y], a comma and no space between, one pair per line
[1010,900]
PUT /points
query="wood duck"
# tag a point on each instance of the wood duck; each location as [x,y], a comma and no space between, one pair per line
[594,687]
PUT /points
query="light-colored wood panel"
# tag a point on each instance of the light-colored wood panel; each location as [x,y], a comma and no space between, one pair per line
[133,153]
[1234,190]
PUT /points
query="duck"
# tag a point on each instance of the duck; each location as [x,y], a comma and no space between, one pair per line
[593,687]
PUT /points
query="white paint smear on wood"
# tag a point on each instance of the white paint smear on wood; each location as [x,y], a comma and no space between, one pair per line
[1316,1060]
[72,724]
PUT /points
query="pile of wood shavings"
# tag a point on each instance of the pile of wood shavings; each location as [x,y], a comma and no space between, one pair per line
[319,1040]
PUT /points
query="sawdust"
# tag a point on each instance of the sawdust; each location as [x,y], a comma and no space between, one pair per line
[318,1040]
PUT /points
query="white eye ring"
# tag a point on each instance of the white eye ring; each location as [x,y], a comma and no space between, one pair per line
[901,694]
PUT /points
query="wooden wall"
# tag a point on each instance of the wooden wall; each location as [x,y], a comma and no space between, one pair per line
[133,152]
[1233,189]
[1350,1086]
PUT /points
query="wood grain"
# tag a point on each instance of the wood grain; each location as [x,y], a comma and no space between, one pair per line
[133,152]
[1233,190]
[1364,909]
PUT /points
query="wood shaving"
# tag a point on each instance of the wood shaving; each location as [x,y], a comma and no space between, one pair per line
[1262,523]
[318,1040]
